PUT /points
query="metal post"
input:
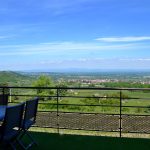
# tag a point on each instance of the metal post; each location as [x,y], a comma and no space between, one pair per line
[3,92]
[120,118]
[10,94]
[58,110]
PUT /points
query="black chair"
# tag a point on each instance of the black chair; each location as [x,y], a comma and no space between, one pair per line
[28,120]
[11,126]
[3,99]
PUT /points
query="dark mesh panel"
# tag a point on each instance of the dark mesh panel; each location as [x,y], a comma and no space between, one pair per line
[78,121]
[46,119]
[132,123]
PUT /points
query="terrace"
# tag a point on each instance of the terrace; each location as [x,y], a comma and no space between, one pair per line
[88,118]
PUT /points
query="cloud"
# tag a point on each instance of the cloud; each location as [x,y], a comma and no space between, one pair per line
[124,39]
[80,63]
[135,59]
[68,48]
[99,63]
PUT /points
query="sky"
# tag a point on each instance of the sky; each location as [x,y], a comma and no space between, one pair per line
[53,35]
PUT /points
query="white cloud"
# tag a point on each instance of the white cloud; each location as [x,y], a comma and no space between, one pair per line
[135,59]
[64,51]
[81,63]
[124,39]
[61,48]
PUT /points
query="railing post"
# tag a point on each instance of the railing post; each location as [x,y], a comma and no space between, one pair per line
[58,110]
[3,92]
[120,117]
[10,94]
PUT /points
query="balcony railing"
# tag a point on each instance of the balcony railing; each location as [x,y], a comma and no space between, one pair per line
[117,110]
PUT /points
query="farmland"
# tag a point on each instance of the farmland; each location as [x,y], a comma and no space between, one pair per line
[95,100]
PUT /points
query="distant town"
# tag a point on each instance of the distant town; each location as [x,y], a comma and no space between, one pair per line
[92,79]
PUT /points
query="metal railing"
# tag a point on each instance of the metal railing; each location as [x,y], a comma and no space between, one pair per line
[121,110]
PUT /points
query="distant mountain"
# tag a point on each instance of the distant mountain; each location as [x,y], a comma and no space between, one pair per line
[13,78]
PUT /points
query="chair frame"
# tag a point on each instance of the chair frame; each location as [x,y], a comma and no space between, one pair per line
[28,120]
[10,126]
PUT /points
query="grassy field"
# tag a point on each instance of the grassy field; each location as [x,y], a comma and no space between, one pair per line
[142,99]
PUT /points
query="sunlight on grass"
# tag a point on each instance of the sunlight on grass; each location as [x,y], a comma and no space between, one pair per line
[91,133]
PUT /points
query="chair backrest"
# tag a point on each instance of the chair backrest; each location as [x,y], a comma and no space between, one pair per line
[3,99]
[30,112]
[12,120]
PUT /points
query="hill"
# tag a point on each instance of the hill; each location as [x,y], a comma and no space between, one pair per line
[14,79]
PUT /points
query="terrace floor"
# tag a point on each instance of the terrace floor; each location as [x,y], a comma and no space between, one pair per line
[54,141]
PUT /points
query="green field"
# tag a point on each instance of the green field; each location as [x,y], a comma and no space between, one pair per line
[98,98]
[106,98]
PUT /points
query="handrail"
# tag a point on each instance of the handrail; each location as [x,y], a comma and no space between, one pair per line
[124,122]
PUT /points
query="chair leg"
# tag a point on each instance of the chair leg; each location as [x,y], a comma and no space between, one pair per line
[32,139]
[22,144]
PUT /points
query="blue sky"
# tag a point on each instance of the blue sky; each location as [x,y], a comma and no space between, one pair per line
[85,34]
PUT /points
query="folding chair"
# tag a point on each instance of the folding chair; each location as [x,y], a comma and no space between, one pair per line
[11,126]
[28,120]
[3,99]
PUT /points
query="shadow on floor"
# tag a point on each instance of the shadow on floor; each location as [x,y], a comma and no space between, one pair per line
[51,141]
